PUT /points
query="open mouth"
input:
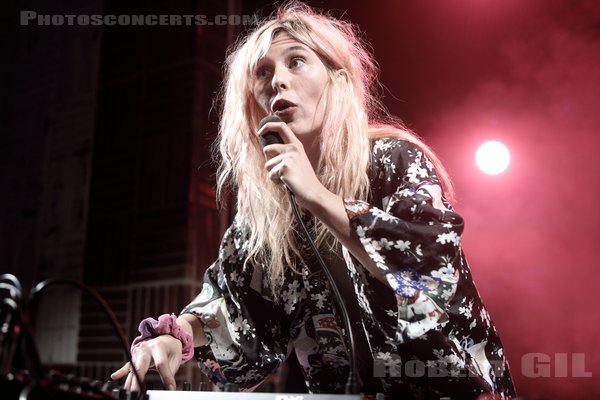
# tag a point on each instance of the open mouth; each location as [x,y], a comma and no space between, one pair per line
[282,107]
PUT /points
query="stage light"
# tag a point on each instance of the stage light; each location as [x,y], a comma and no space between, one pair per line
[492,157]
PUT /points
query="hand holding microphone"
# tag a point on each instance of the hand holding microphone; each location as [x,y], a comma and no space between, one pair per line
[287,160]
[270,137]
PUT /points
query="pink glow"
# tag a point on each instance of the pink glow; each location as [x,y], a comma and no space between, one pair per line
[492,157]
[532,233]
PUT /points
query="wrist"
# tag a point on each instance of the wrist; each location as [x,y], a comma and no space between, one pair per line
[319,202]
[195,327]
[327,207]
[166,324]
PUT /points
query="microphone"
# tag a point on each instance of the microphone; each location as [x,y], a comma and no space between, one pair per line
[269,137]
[351,385]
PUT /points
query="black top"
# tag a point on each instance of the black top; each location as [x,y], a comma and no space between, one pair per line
[428,331]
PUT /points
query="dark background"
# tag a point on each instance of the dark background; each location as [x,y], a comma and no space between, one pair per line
[105,174]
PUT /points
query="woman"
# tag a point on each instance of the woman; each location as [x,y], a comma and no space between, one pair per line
[374,197]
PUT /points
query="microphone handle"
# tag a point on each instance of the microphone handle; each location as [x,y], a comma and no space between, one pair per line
[269,137]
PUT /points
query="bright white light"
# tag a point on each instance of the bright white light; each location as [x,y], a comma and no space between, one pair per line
[492,157]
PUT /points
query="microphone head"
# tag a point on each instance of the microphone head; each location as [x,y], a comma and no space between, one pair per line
[269,137]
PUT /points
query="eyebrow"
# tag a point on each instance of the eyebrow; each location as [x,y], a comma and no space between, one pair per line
[296,47]
[293,48]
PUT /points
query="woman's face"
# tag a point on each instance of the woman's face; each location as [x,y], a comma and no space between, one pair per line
[290,82]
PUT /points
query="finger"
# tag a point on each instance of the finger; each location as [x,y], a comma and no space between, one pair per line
[120,373]
[142,365]
[128,381]
[273,150]
[134,383]
[131,383]
[276,178]
[274,162]
[166,373]
[277,174]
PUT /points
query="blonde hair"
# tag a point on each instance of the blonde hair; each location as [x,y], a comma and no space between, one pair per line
[354,115]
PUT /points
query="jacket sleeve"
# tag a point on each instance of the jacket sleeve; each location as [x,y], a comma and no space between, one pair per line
[244,329]
[411,234]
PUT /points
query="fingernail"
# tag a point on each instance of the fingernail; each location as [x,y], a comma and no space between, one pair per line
[171,387]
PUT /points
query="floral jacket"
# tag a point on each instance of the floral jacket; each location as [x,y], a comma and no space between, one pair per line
[427,329]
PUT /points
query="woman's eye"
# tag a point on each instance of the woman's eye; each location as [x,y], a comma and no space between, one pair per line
[296,62]
[262,72]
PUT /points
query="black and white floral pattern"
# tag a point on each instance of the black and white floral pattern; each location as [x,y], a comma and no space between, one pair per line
[428,331]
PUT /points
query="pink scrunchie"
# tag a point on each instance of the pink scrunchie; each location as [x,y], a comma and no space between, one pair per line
[166,325]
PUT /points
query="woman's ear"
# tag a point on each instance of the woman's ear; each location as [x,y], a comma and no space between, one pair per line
[341,73]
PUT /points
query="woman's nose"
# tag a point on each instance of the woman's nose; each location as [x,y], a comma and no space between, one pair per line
[280,79]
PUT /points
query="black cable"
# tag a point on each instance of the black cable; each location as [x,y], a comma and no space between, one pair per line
[33,299]
[16,331]
[12,290]
[11,319]
[8,333]
[15,284]
[351,384]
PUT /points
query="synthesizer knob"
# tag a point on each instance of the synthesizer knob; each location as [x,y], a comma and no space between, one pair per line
[119,393]
[187,386]
[108,386]
[96,384]
[231,387]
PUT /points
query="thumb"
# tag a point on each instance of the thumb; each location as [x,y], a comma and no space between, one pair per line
[121,372]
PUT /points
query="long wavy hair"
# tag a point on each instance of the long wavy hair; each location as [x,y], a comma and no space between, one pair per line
[354,115]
